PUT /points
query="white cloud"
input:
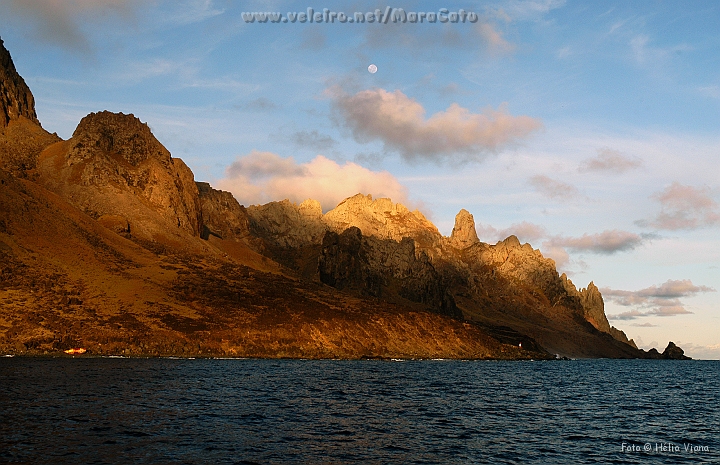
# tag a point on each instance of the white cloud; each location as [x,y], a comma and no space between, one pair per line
[262,177]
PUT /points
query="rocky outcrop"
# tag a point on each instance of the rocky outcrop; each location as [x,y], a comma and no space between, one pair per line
[594,308]
[117,134]
[21,136]
[521,263]
[114,165]
[16,100]
[383,268]
[384,219]
[671,352]
[343,264]
[381,249]
[463,234]
[222,215]
[284,224]
[621,336]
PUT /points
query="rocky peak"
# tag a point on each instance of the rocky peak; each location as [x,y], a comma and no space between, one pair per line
[594,307]
[463,234]
[311,208]
[16,100]
[222,215]
[114,165]
[285,224]
[511,242]
[383,219]
[673,352]
[116,133]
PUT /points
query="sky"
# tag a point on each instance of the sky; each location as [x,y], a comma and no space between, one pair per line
[588,129]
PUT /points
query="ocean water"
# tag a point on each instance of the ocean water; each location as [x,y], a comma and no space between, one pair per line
[102,410]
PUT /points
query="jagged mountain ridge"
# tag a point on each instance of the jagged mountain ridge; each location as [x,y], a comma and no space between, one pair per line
[370,247]
[108,242]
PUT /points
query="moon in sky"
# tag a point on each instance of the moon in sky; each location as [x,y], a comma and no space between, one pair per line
[372,69]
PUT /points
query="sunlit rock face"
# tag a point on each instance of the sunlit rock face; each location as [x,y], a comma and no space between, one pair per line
[114,165]
[287,225]
[16,100]
[21,136]
[383,219]
[594,307]
[463,234]
[222,215]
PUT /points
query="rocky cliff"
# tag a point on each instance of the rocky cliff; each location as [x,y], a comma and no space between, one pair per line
[21,136]
[383,219]
[383,268]
[222,215]
[16,100]
[114,168]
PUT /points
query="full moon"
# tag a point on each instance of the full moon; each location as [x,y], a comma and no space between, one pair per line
[372,69]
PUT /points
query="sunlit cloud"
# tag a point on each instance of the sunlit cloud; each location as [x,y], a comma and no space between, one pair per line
[262,177]
[494,38]
[557,246]
[662,300]
[606,242]
[455,135]
[524,231]
[684,207]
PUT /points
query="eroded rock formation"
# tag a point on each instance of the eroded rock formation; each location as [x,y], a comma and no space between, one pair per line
[463,234]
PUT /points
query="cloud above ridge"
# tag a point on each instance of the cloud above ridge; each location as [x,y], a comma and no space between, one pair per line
[262,177]
[607,242]
[662,300]
[556,247]
[455,135]
[684,207]
[524,231]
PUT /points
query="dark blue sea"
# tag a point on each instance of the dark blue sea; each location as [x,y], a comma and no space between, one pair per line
[103,410]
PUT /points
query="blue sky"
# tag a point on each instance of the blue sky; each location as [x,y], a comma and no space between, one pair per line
[589,129]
